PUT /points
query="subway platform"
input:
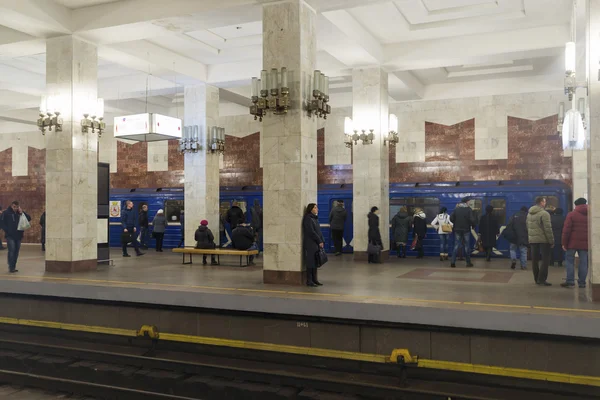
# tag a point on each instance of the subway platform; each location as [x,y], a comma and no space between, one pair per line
[489,297]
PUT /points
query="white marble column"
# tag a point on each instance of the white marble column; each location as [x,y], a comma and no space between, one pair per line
[71,158]
[289,141]
[579,157]
[370,161]
[594,150]
[202,168]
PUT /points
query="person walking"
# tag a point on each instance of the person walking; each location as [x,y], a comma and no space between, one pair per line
[575,240]
[144,227]
[205,240]
[242,238]
[159,225]
[337,221]
[312,242]
[557,219]
[541,240]
[9,221]
[488,231]
[516,234]
[419,231]
[43,225]
[235,216]
[374,235]
[463,220]
[128,222]
[444,227]
[401,224]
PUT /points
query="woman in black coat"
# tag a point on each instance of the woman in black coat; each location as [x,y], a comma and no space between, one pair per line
[374,234]
[419,231]
[312,242]
[488,231]
[558,220]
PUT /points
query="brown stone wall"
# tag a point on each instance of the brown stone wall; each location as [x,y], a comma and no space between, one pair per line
[534,152]
[241,161]
[339,174]
[30,190]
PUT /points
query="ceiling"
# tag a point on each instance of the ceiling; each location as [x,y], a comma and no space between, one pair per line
[431,49]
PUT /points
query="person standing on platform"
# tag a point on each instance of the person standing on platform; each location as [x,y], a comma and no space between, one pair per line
[43,224]
[541,240]
[439,222]
[400,226]
[516,234]
[1,246]
[419,231]
[144,227]
[312,242]
[9,221]
[242,238]
[463,220]
[182,223]
[205,240]
[558,220]
[235,216]
[257,221]
[337,221]
[222,231]
[374,235]
[159,225]
[128,221]
[488,231]
[575,240]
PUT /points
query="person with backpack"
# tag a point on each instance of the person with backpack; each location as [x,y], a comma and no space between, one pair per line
[400,226]
[463,219]
[541,240]
[444,228]
[515,233]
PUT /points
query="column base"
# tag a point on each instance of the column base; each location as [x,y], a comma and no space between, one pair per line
[596,292]
[363,256]
[71,266]
[296,278]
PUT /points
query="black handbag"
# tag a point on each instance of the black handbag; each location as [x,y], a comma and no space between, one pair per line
[126,238]
[320,258]
[373,249]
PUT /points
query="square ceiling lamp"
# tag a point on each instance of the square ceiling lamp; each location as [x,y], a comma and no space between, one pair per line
[148,127]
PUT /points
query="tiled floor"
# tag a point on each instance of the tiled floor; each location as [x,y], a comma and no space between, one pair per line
[491,284]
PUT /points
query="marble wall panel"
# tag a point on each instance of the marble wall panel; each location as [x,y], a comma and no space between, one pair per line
[158,156]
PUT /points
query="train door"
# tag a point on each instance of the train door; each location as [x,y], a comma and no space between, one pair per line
[477,205]
[499,205]
[347,246]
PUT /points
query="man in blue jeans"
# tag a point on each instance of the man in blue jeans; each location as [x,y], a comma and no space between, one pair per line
[9,221]
[575,240]
[463,219]
[516,234]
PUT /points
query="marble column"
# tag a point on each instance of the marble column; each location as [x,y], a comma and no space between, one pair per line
[201,186]
[579,157]
[594,149]
[71,158]
[289,141]
[371,162]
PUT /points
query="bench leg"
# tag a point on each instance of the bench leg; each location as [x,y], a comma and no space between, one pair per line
[186,263]
[240,261]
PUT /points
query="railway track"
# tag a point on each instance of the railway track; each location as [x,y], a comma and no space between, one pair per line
[107,367]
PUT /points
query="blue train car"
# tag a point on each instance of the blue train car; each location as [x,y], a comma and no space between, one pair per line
[507,197]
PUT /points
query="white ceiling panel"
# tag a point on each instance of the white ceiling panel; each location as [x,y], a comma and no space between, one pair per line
[439,5]
[74,4]
[238,31]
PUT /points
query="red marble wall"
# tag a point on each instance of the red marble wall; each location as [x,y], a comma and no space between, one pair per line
[241,161]
[30,190]
[534,152]
[339,174]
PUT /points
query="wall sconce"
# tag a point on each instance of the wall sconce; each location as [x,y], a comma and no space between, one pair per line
[561,117]
[319,105]
[392,137]
[97,111]
[49,115]
[190,142]
[349,137]
[216,140]
[275,83]
[581,106]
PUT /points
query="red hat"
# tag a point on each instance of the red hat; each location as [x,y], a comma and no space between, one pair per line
[204,222]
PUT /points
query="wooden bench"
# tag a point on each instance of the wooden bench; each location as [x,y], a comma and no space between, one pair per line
[231,252]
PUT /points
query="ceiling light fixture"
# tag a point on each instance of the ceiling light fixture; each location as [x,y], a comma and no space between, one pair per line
[571,84]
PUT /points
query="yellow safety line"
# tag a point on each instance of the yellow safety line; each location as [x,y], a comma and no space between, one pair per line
[283,292]
[70,327]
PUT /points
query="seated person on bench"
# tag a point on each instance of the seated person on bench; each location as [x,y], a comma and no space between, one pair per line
[242,238]
[205,240]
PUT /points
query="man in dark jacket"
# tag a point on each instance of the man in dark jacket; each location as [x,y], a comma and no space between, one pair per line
[145,231]
[257,221]
[128,222]
[235,215]
[575,239]
[337,220]
[558,220]
[463,219]
[9,221]
[242,238]
[516,234]
[43,225]
[1,246]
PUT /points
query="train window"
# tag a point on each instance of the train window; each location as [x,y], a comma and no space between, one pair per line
[173,210]
[499,210]
[476,205]
[429,205]
[552,202]
[142,204]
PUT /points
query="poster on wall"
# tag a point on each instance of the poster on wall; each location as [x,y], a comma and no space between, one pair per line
[115,209]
